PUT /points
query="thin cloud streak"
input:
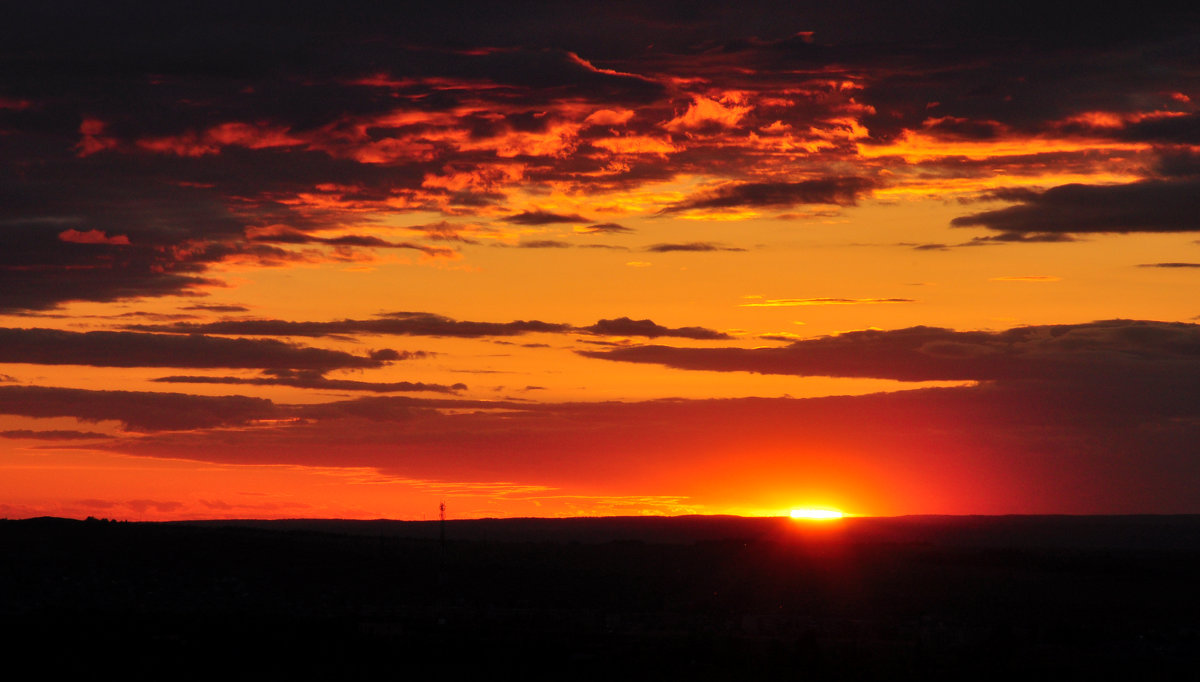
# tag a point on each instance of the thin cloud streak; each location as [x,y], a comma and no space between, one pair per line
[793,302]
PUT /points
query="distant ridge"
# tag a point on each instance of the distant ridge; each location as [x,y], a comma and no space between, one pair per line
[1117,532]
[1175,532]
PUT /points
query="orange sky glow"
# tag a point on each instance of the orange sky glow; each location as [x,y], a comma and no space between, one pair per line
[613,261]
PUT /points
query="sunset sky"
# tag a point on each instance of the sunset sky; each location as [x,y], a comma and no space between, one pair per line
[306,259]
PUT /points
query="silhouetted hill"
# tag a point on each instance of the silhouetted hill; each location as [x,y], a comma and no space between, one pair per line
[696,597]
[1062,532]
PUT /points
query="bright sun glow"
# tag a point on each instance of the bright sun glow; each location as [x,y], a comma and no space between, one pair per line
[816,514]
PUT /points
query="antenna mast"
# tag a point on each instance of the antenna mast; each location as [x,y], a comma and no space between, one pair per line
[442,526]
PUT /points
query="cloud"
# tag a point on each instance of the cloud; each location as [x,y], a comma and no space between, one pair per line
[611,247]
[545,218]
[132,349]
[1146,206]
[139,411]
[399,323]
[842,191]
[285,235]
[1181,129]
[446,231]
[395,409]
[960,128]
[425,324]
[793,302]
[473,112]
[38,271]
[624,326]
[690,246]
[1010,237]
[1178,163]
[1083,353]
[1169,265]
[998,239]
[52,435]
[92,237]
[226,131]
[544,244]
[317,380]
[216,308]
[994,448]
[704,114]
[604,228]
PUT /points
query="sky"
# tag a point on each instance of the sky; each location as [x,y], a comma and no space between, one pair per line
[351,260]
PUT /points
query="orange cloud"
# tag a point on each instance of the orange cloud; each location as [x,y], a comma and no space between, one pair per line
[915,147]
[609,117]
[726,112]
[636,144]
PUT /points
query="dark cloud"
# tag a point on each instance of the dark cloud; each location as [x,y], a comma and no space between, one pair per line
[1181,130]
[1146,206]
[107,227]
[691,246]
[963,129]
[285,235]
[38,271]
[1178,163]
[317,380]
[53,435]
[132,349]
[999,239]
[178,144]
[1169,265]
[216,308]
[400,323]
[1083,352]
[139,411]
[393,409]
[842,191]
[544,218]
[624,326]
[445,231]
[605,228]
[241,119]
[544,244]
[820,301]
[1011,237]
[147,315]
[426,324]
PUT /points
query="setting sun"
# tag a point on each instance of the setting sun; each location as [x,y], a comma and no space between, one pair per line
[816,514]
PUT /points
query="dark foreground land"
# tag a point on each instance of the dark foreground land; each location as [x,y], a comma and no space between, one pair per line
[683,598]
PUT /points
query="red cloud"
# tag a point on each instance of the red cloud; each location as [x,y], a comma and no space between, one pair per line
[91,237]
[212,140]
